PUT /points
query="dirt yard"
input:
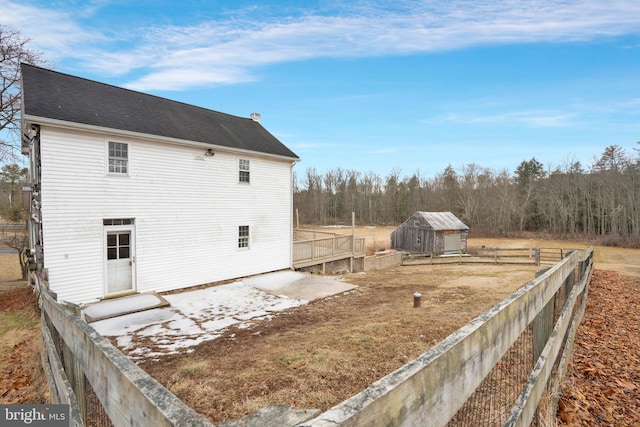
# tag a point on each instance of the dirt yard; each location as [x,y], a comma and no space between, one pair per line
[317,355]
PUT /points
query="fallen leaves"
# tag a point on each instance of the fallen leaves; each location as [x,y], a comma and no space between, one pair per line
[21,376]
[601,387]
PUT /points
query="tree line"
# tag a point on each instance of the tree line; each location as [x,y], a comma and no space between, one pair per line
[602,201]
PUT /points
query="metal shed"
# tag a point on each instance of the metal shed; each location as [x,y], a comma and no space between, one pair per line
[431,233]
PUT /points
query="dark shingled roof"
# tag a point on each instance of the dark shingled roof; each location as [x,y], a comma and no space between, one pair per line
[53,95]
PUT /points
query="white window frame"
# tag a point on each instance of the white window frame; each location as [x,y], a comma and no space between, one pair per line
[117,170]
[244,234]
[244,171]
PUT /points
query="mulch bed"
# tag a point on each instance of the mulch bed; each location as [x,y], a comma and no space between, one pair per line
[602,387]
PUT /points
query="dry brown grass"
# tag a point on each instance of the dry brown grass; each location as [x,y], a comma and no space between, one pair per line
[317,355]
[10,274]
[626,261]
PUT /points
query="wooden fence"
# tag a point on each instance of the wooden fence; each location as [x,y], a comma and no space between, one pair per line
[100,384]
[377,262]
[502,369]
[467,379]
[533,256]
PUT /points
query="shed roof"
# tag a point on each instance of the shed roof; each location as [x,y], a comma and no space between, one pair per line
[442,220]
[52,95]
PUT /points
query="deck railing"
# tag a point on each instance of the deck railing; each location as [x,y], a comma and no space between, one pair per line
[325,249]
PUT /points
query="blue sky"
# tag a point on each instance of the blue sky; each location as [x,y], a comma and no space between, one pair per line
[372,85]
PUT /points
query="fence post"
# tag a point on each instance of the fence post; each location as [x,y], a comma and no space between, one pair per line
[75,372]
[542,324]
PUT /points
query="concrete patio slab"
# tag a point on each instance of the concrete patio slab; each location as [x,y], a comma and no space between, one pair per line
[300,286]
[196,316]
[109,308]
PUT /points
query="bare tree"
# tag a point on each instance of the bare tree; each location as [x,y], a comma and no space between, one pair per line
[13,51]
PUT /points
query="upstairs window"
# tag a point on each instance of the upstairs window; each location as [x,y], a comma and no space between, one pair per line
[243,236]
[243,167]
[118,158]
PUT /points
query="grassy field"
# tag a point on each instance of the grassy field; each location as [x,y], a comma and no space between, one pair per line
[625,261]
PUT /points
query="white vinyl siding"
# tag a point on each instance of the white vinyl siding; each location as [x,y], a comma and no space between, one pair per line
[183,204]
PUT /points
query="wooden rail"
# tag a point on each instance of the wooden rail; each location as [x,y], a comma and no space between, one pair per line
[377,262]
[12,227]
[431,389]
[533,256]
[325,249]
[76,358]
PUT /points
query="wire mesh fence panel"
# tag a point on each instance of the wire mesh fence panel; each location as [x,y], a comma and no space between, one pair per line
[96,415]
[491,403]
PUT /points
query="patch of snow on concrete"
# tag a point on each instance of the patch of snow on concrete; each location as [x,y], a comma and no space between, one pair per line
[198,316]
[121,305]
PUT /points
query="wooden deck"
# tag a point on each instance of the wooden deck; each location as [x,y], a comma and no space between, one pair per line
[329,247]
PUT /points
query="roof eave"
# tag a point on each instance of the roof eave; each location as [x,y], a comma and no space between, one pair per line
[168,140]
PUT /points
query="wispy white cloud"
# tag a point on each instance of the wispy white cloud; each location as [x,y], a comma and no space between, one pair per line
[533,119]
[53,31]
[224,52]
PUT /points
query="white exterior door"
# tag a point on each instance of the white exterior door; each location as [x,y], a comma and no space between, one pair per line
[120,259]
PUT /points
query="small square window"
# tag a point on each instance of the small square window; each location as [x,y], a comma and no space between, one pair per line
[243,170]
[118,157]
[243,236]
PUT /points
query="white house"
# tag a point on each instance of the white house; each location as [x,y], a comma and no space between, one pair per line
[134,193]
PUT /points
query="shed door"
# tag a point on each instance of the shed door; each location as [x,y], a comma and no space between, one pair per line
[120,257]
[452,242]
